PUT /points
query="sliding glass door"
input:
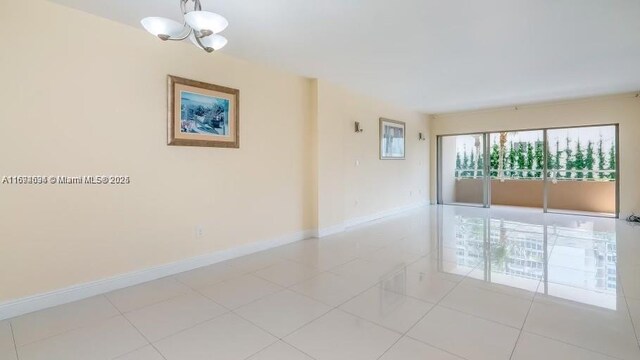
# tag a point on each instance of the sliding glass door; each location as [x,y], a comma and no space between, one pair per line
[462,170]
[567,170]
[517,168]
[582,170]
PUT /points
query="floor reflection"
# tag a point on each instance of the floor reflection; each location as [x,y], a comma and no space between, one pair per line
[573,258]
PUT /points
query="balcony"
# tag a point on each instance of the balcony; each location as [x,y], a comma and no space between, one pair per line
[578,195]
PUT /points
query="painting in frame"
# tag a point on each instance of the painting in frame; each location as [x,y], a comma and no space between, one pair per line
[392,139]
[201,114]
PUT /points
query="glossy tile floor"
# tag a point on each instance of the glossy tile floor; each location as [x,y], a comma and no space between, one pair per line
[437,283]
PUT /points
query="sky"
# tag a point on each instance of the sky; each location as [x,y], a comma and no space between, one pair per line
[584,134]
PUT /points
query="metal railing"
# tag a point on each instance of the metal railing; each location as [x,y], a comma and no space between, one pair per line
[537,174]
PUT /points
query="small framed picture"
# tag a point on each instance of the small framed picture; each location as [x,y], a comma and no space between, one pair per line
[202,114]
[392,139]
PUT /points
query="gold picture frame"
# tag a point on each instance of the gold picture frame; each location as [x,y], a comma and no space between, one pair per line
[201,114]
[392,139]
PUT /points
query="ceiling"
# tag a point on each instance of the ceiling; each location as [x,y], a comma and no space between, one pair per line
[430,55]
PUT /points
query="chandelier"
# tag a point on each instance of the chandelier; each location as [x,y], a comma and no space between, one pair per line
[201,27]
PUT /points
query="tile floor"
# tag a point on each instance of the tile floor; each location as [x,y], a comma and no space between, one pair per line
[437,283]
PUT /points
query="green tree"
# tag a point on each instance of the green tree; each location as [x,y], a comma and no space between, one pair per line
[472,164]
[557,161]
[522,160]
[601,160]
[465,163]
[539,158]
[589,160]
[551,163]
[480,165]
[612,161]
[529,160]
[578,162]
[511,159]
[569,159]
[494,159]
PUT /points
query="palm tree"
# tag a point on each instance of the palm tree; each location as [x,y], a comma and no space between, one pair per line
[477,144]
[503,150]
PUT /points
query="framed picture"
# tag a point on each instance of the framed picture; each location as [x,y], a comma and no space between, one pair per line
[202,114]
[392,136]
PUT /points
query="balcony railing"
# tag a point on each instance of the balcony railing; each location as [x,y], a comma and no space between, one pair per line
[597,195]
[535,174]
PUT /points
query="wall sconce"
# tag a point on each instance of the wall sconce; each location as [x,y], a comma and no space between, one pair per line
[421,136]
[358,128]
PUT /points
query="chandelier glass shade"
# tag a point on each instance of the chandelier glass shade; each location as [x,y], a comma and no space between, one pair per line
[161,26]
[204,20]
[215,42]
[201,27]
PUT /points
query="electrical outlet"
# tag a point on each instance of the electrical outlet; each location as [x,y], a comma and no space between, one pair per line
[199,231]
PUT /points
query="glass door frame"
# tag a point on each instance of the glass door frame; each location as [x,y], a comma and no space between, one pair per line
[486,178]
[616,143]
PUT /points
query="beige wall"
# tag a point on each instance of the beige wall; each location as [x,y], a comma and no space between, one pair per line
[352,181]
[621,109]
[83,95]
[448,170]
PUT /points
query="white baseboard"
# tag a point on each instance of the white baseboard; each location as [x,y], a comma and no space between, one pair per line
[330,230]
[383,214]
[69,294]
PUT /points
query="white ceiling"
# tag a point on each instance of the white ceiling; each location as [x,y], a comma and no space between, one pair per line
[430,55]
